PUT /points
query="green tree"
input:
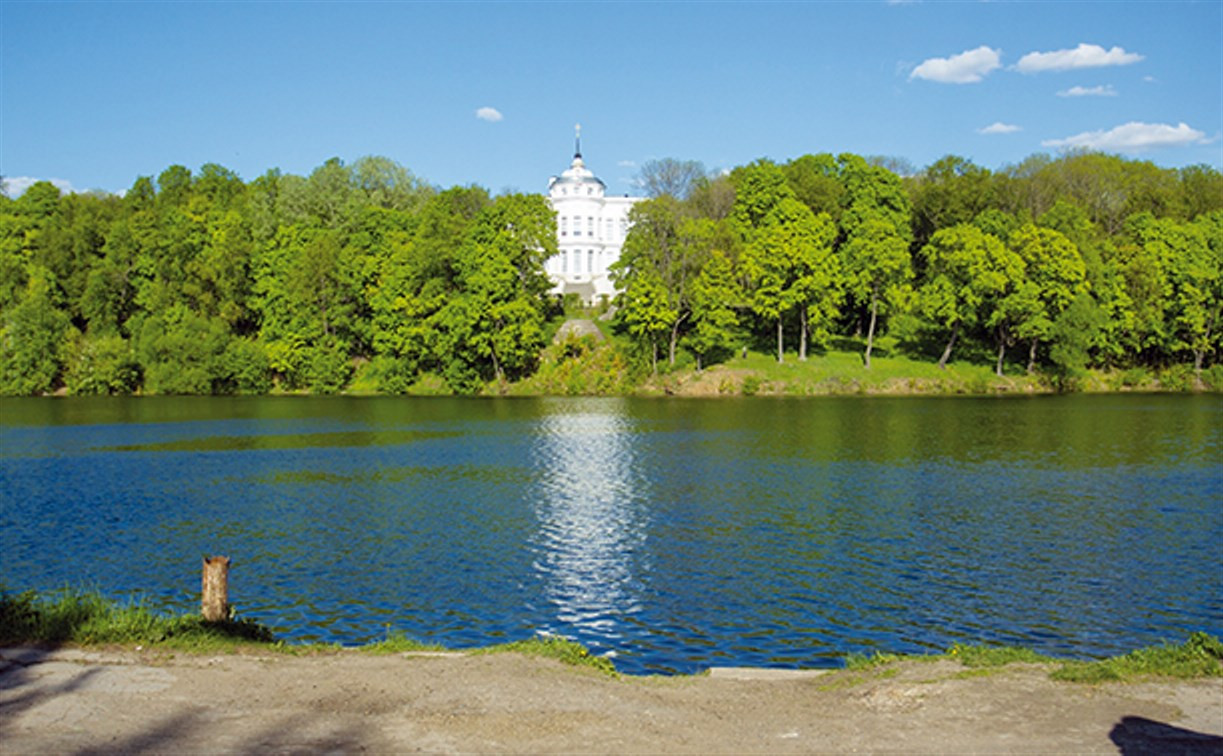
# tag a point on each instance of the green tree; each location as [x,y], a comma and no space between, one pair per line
[645,311]
[878,271]
[715,294]
[789,263]
[967,271]
[1057,271]
[497,321]
[31,336]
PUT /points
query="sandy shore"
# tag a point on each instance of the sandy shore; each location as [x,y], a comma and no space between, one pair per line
[131,701]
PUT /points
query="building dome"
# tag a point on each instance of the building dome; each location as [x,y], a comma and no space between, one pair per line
[577,176]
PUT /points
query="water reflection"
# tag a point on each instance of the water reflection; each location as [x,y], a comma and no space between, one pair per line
[591,518]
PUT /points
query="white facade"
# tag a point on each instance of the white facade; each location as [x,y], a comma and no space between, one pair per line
[590,230]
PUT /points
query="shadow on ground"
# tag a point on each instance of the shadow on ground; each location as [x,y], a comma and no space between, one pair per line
[1138,736]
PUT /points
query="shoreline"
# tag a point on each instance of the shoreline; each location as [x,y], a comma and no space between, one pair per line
[158,700]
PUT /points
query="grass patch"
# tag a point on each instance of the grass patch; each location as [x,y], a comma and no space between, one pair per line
[877,659]
[397,642]
[81,617]
[1200,656]
[995,656]
[556,647]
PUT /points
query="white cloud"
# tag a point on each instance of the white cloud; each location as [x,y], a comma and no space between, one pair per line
[492,115]
[966,68]
[1132,137]
[998,127]
[1083,56]
[1100,91]
[627,163]
[15,186]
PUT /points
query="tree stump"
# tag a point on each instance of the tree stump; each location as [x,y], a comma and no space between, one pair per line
[214,600]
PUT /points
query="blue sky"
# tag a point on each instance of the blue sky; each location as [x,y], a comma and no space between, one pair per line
[96,94]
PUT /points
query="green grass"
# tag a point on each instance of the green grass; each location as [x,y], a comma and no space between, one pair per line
[841,371]
[877,659]
[1200,656]
[556,647]
[398,643]
[87,618]
[995,656]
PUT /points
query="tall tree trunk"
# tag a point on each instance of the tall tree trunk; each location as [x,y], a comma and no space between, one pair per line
[780,354]
[1001,353]
[870,332]
[1032,356]
[802,331]
[942,361]
[654,357]
[698,362]
[496,364]
[675,338]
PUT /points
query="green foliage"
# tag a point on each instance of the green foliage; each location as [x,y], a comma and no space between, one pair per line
[198,283]
[102,364]
[30,338]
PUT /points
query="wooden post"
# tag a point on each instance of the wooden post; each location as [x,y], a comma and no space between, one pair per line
[214,601]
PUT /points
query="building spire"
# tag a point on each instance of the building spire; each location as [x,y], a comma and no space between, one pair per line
[577,140]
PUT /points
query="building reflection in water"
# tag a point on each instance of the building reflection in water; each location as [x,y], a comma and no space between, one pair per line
[590,544]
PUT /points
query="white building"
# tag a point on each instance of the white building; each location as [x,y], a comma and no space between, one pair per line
[590,229]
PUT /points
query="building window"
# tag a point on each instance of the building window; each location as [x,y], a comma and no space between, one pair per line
[577,261]
[564,225]
[590,226]
[564,263]
[590,261]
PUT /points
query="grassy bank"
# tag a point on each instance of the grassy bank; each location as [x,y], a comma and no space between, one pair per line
[590,367]
[83,618]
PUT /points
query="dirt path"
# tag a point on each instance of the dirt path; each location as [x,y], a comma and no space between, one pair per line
[131,702]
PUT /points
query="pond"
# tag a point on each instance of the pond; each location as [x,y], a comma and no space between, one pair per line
[674,535]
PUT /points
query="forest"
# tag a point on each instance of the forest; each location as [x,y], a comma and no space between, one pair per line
[364,276]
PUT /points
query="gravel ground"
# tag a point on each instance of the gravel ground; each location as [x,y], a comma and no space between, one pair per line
[124,701]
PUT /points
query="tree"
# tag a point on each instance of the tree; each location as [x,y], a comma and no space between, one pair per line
[382,182]
[1056,270]
[715,293]
[966,270]
[667,247]
[878,271]
[950,191]
[645,312]
[816,182]
[789,263]
[31,336]
[670,177]
[499,314]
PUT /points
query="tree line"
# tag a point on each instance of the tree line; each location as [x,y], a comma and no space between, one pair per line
[203,284]
[1088,260]
[200,283]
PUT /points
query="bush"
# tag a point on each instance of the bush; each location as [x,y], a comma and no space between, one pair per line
[101,365]
[1212,377]
[1178,378]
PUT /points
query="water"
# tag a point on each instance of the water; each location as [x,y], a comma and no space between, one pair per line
[675,534]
